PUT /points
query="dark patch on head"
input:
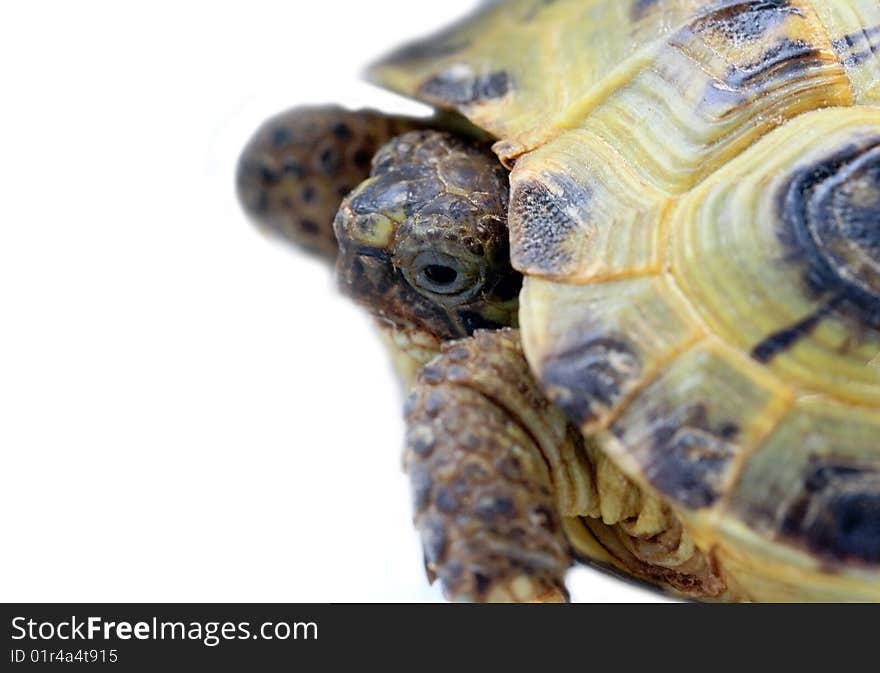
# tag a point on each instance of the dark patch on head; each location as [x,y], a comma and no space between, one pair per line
[391,192]
[830,214]
[543,225]
[458,86]
[837,515]
[587,380]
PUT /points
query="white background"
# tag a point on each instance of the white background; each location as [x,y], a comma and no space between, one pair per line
[188,411]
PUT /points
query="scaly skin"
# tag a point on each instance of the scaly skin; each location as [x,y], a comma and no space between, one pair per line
[423,242]
[299,165]
[485,502]
[507,492]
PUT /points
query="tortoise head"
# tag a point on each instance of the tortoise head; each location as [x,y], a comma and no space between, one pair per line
[424,243]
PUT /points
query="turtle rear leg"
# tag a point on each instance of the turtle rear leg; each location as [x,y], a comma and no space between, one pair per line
[508,493]
[300,164]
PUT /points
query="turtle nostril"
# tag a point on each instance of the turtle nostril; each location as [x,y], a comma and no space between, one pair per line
[440,274]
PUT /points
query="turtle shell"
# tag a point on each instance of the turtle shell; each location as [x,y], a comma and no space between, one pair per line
[695,201]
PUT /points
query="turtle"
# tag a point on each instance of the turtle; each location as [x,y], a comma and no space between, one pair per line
[630,274]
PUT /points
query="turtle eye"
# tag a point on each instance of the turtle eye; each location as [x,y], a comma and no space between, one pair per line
[438,273]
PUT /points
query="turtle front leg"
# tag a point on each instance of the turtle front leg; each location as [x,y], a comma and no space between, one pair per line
[477,452]
[300,164]
[507,492]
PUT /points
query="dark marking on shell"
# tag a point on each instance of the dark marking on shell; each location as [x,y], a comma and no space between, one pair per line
[746,21]
[856,39]
[830,215]
[856,58]
[588,379]
[543,224]
[856,48]
[786,338]
[459,86]
[837,516]
[787,59]
[687,458]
